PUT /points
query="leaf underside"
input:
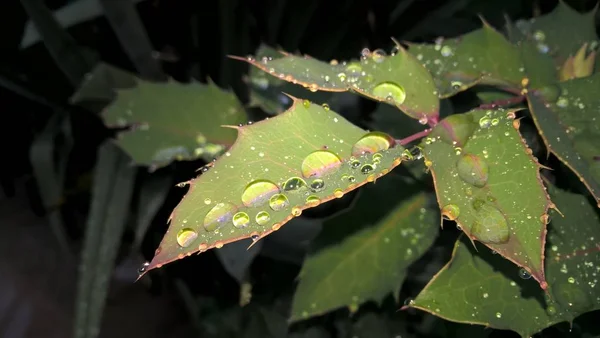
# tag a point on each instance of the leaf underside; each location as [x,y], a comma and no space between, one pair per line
[366,249]
[479,287]
[275,169]
[490,185]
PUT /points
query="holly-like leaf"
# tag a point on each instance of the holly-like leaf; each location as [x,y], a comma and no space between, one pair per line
[488,182]
[277,167]
[479,287]
[559,33]
[169,121]
[482,56]
[366,249]
[398,79]
[567,116]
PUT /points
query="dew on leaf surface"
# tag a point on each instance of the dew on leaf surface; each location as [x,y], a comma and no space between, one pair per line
[240,219]
[186,236]
[294,184]
[319,163]
[313,200]
[278,202]
[218,216]
[262,217]
[367,168]
[490,225]
[524,274]
[372,143]
[317,185]
[258,193]
[390,91]
[473,170]
[450,212]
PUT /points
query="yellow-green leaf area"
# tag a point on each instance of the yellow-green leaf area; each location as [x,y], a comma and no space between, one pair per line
[276,168]
[479,287]
[366,249]
[168,121]
[398,79]
[494,182]
[482,56]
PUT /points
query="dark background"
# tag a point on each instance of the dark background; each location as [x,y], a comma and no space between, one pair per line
[195,297]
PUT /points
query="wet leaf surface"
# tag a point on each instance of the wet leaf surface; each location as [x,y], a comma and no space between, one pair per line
[479,287]
[277,168]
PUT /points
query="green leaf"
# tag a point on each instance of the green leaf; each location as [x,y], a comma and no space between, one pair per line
[366,249]
[478,287]
[277,167]
[397,79]
[482,56]
[559,33]
[487,181]
[566,116]
[170,121]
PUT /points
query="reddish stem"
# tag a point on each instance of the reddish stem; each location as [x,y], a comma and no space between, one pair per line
[504,102]
[413,137]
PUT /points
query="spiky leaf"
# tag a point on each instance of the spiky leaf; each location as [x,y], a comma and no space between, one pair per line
[482,56]
[567,116]
[366,249]
[398,79]
[276,168]
[479,287]
[487,181]
[169,121]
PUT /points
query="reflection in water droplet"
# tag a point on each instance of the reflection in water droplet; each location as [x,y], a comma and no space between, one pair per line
[258,193]
[278,202]
[240,220]
[218,216]
[294,184]
[262,217]
[524,274]
[354,164]
[390,91]
[473,170]
[296,211]
[313,200]
[373,142]
[366,168]
[186,236]
[378,55]
[485,122]
[490,226]
[317,185]
[450,212]
[319,163]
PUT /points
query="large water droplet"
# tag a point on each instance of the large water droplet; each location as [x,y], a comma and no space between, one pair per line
[186,236]
[372,142]
[294,184]
[319,163]
[218,216]
[278,202]
[262,217]
[390,91]
[241,220]
[317,185]
[473,170]
[367,168]
[450,212]
[258,193]
[455,129]
[490,226]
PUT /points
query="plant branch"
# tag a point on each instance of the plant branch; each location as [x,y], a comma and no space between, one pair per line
[413,137]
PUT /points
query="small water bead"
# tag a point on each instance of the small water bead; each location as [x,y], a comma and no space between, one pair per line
[240,220]
[562,102]
[294,184]
[351,179]
[218,216]
[450,212]
[524,274]
[338,193]
[367,168]
[447,51]
[477,203]
[571,280]
[186,236]
[498,315]
[258,193]
[342,76]
[143,268]
[319,163]
[207,201]
[313,200]
[262,217]
[317,185]
[377,158]
[326,106]
[456,85]
[278,202]
[306,104]
[409,302]
[378,55]
[539,35]
[296,211]
[390,91]
[485,122]
[372,142]
[255,237]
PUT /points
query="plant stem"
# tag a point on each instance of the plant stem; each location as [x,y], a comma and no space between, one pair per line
[413,137]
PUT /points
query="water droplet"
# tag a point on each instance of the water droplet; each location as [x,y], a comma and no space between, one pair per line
[338,193]
[378,55]
[551,310]
[366,168]
[255,237]
[317,185]
[351,179]
[409,301]
[342,76]
[450,212]
[143,268]
[377,158]
[319,163]
[313,200]
[306,104]
[294,184]
[391,90]
[423,120]
[539,35]
[473,170]
[207,201]
[498,315]
[485,122]
[218,216]
[490,226]
[262,217]
[524,274]
[240,220]
[447,51]
[562,102]
[456,85]
[296,211]
[354,68]
[186,236]
[371,143]
[258,193]
[477,203]
[326,106]
[278,202]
